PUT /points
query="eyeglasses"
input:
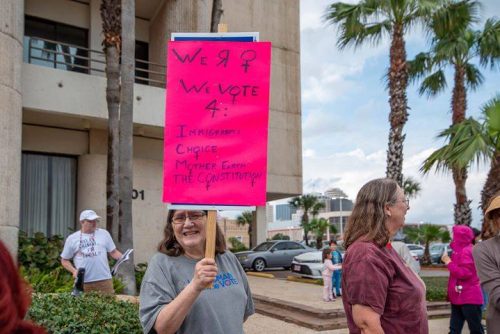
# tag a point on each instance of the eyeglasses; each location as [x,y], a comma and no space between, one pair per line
[193,217]
[404,200]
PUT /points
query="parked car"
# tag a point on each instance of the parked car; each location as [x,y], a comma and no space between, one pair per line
[416,251]
[437,250]
[310,264]
[271,254]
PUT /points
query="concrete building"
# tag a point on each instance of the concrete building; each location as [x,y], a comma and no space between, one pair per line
[53,113]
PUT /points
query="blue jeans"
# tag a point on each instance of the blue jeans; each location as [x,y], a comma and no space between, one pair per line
[336,281]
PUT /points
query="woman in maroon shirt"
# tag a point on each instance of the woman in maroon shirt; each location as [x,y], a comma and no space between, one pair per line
[381,294]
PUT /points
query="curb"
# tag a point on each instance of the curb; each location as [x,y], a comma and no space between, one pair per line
[263,275]
[304,280]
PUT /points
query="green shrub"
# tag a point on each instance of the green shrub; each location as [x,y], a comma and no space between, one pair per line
[280,236]
[39,251]
[91,313]
[437,288]
[57,280]
[236,245]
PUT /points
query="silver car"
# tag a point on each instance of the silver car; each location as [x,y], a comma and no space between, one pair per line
[416,251]
[310,264]
[271,254]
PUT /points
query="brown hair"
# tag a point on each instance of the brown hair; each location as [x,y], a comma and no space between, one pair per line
[325,253]
[171,247]
[368,215]
[491,223]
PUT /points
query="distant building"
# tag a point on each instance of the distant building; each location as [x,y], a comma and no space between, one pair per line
[54,115]
[285,211]
[231,229]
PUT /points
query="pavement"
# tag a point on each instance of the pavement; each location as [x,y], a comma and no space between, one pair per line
[308,295]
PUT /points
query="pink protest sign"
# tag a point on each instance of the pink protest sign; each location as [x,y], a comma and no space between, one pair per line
[216,123]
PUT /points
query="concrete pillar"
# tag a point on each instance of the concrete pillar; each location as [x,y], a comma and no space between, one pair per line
[11,49]
[261,231]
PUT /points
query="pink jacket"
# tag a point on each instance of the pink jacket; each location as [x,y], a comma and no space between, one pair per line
[462,269]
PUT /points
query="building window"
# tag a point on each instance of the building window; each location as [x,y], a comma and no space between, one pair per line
[48,194]
[141,62]
[54,44]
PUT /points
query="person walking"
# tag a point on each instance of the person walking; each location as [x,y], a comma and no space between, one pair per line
[464,291]
[487,259]
[89,248]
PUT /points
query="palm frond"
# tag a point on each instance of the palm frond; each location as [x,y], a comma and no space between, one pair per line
[356,22]
[436,160]
[467,143]
[489,43]
[454,17]
[491,111]
[420,66]
[433,84]
[473,77]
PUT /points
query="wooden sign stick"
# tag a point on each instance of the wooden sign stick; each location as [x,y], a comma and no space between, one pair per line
[210,230]
[210,234]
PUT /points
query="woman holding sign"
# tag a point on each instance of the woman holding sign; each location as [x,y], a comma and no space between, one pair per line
[183,292]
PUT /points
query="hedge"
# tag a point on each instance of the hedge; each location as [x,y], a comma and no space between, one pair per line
[91,314]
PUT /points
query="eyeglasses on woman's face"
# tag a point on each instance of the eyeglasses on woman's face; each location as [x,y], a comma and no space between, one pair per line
[194,216]
[404,200]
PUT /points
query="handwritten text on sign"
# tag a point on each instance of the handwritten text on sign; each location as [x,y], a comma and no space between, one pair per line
[216,123]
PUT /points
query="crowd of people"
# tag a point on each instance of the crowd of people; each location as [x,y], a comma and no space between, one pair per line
[185,292]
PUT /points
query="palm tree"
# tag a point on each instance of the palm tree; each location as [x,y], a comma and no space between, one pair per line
[369,21]
[471,141]
[246,218]
[111,27]
[411,187]
[427,233]
[319,228]
[456,44]
[127,73]
[306,203]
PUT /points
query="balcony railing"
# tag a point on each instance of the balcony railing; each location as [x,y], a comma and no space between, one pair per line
[74,58]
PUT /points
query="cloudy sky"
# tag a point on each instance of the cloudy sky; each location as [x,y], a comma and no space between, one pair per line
[345,110]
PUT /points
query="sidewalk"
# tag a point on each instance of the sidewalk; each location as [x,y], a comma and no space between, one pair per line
[308,295]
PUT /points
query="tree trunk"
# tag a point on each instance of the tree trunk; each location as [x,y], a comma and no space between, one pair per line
[398,82]
[216,15]
[462,211]
[305,223]
[113,102]
[250,245]
[492,184]
[111,28]
[426,259]
[127,274]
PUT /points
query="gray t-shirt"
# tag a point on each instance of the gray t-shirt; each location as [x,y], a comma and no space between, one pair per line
[222,309]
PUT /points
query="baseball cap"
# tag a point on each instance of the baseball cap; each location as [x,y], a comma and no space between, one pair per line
[494,205]
[88,215]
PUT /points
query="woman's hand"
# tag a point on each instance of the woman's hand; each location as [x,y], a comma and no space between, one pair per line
[205,272]
[445,258]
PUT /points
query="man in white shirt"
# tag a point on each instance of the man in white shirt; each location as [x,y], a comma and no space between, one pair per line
[89,248]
